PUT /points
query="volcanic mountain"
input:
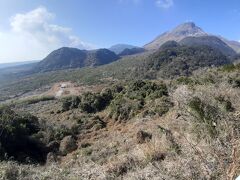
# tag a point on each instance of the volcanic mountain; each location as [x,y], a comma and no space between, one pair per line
[66,58]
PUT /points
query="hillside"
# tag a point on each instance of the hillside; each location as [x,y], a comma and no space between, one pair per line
[174,129]
[132,51]
[235,45]
[67,58]
[174,61]
[170,61]
[211,41]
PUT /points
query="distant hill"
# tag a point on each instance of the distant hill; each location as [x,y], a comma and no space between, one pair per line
[132,51]
[66,58]
[211,41]
[235,45]
[118,48]
[169,44]
[179,61]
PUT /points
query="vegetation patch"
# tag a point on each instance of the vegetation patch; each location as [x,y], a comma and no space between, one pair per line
[17,137]
[205,114]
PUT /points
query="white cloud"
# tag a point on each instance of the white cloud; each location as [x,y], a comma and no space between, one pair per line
[33,36]
[164,3]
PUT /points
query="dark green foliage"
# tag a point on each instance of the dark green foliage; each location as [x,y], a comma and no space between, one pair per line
[211,41]
[185,80]
[136,94]
[122,108]
[75,102]
[88,102]
[39,99]
[228,68]
[71,102]
[17,137]
[94,102]
[66,103]
[180,61]
[169,44]
[146,89]
[235,82]
[131,51]
[86,123]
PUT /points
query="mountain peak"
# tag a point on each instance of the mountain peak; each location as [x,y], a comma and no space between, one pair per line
[188,29]
[177,34]
[188,24]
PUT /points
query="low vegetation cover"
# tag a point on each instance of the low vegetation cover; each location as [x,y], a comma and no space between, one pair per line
[183,128]
[123,101]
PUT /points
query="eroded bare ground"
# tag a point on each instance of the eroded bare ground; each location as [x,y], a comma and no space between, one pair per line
[62,89]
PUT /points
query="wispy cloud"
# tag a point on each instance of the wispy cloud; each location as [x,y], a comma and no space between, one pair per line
[164,3]
[33,35]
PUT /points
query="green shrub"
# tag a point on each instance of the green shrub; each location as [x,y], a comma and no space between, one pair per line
[185,80]
[205,114]
[235,82]
[39,99]
[86,123]
[146,89]
[16,136]
[70,102]
[66,103]
[230,67]
[122,108]
[91,103]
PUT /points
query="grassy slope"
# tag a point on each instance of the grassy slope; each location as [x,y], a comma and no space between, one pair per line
[188,142]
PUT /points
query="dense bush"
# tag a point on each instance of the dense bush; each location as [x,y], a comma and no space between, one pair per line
[122,108]
[88,102]
[125,100]
[94,102]
[136,96]
[17,137]
[146,89]
[86,123]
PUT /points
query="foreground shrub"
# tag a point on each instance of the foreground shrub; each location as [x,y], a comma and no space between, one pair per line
[146,89]
[16,137]
[205,114]
[122,108]
[92,103]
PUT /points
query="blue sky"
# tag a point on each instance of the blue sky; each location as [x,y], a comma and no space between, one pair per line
[30,29]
